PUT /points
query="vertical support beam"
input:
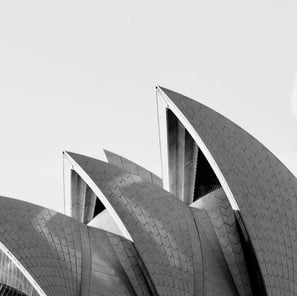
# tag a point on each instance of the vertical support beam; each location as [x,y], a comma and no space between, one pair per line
[180,161]
[163,138]
[194,170]
[89,207]
[78,191]
[172,152]
[190,165]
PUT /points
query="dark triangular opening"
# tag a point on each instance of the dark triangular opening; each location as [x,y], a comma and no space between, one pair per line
[99,207]
[206,180]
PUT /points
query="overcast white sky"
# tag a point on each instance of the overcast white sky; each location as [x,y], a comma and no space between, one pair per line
[80,76]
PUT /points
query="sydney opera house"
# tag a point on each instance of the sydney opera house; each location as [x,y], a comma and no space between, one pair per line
[221,221]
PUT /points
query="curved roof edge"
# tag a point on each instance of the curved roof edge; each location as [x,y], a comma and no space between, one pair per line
[81,172]
[166,91]
[164,101]
[22,269]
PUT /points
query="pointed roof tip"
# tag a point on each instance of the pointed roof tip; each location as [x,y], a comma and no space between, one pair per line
[68,155]
[67,152]
[177,97]
[73,155]
[109,153]
[64,152]
[81,158]
[106,151]
[161,87]
[170,92]
[167,90]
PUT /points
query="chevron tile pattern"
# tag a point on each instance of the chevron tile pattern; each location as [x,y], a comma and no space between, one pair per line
[220,218]
[263,187]
[63,256]
[228,228]
[161,227]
